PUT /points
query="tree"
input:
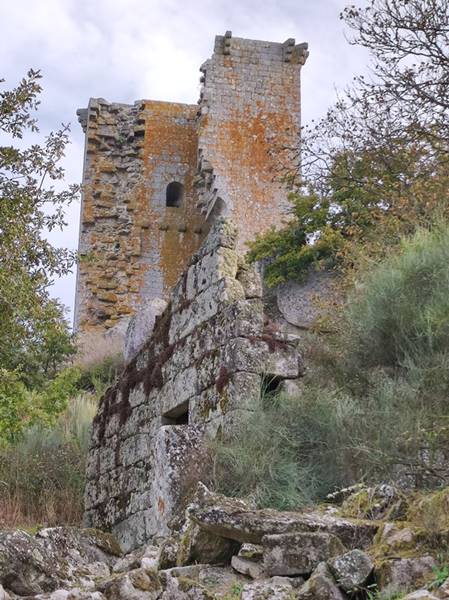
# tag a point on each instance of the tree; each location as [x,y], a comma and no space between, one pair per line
[34,337]
[375,167]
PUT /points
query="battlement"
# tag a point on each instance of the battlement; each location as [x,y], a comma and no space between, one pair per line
[158,174]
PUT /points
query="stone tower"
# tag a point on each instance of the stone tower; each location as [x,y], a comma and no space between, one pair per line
[158,174]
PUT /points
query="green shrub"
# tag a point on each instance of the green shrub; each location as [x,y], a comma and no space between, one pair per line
[399,312]
[42,474]
[373,405]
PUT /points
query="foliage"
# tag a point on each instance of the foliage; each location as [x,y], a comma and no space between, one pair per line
[399,311]
[34,338]
[21,408]
[440,574]
[42,474]
[374,168]
[373,404]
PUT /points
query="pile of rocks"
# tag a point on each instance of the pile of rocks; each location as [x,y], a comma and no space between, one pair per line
[227,549]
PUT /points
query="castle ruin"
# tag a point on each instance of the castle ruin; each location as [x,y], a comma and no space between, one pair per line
[171,194]
[158,174]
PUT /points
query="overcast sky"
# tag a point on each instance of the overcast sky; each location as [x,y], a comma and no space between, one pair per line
[124,50]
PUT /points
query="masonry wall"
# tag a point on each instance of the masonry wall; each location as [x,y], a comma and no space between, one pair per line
[228,152]
[249,130]
[133,246]
[198,374]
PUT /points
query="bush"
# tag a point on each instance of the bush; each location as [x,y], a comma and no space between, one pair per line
[100,360]
[42,474]
[400,311]
[373,405]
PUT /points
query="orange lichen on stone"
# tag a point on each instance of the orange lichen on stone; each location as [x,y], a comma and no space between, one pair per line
[222,155]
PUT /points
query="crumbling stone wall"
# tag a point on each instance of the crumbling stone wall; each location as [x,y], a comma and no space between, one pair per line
[132,245]
[196,376]
[226,152]
[249,129]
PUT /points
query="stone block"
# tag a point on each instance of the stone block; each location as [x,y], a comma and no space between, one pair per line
[205,306]
[298,553]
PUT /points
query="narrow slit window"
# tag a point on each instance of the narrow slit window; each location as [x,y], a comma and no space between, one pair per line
[174,194]
[178,415]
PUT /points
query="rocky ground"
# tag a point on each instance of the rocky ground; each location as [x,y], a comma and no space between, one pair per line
[365,543]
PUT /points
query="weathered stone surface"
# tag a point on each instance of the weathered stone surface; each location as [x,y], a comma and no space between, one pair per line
[374,502]
[298,553]
[139,584]
[420,595]
[248,567]
[199,374]
[251,280]
[301,304]
[403,574]
[320,586]
[199,546]
[56,557]
[262,590]
[231,518]
[141,325]
[351,570]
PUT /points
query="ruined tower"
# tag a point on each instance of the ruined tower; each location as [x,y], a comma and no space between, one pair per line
[158,174]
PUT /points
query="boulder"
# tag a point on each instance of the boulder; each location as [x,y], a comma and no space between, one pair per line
[320,586]
[395,538]
[298,553]
[141,326]
[232,518]
[375,502]
[399,575]
[351,570]
[302,304]
[138,584]
[56,557]
[262,590]
[247,567]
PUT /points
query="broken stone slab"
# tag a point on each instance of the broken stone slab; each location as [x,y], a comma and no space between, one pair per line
[55,558]
[141,326]
[298,553]
[248,567]
[232,518]
[401,574]
[351,570]
[139,584]
[262,590]
[320,586]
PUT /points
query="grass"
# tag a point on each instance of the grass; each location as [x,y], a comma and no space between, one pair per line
[42,475]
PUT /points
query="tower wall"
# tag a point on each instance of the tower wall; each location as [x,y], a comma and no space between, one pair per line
[133,246]
[249,126]
[227,153]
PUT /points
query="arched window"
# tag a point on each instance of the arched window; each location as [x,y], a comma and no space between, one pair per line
[174,194]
